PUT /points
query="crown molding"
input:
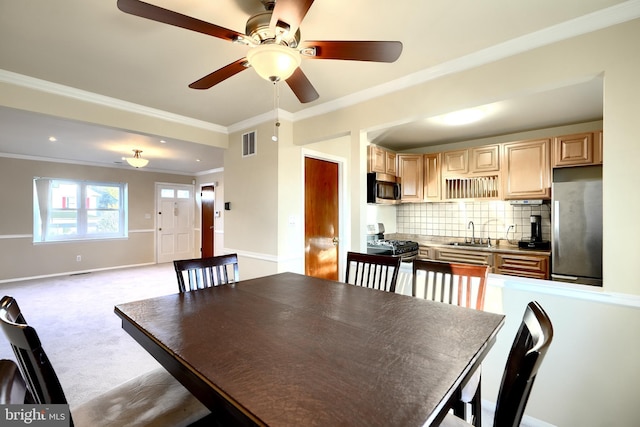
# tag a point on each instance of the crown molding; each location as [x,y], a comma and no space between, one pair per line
[585,24]
[594,21]
[106,101]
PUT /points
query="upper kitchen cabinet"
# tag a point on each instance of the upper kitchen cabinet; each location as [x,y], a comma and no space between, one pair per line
[381,160]
[484,159]
[410,171]
[471,173]
[526,171]
[432,177]
[577,150]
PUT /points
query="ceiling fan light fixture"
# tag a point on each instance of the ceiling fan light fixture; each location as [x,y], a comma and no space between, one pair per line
[136,161]
[274,62]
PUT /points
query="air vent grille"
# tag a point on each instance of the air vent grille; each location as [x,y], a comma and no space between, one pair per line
[249,144]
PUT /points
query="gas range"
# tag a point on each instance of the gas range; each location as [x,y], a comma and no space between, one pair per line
[377,244]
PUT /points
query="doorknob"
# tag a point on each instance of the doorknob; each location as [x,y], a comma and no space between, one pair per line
[335,241]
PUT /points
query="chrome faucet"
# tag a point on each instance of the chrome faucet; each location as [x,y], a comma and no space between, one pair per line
[473,231]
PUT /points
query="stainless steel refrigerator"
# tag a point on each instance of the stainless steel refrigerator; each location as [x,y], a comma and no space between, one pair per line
[576,238]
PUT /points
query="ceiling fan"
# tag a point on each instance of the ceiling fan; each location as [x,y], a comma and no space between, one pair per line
[274,39]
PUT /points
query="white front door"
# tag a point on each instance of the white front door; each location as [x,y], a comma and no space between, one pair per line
[174,204]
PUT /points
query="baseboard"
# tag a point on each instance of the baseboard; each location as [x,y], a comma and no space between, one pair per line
[69,273]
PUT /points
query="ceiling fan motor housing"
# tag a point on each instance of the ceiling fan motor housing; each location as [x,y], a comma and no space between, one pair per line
[259,30]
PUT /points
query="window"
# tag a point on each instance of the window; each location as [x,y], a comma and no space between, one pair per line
[75,210]
[249,144]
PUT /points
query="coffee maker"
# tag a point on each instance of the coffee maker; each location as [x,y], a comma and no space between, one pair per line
[536,228]
[535,240]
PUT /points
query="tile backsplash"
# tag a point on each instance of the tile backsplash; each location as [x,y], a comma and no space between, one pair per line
[491,219]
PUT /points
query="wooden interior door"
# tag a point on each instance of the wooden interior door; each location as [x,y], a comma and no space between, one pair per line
[207,195]
[321,215]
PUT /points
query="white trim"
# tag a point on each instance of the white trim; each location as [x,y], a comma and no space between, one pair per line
[262,256]
[143,230]
[68,273]
[94,98]
[583,292]
[604,18]
[16,236]
[216,170]
[594,21]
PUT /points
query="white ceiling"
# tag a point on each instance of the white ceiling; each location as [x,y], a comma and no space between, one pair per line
[92,46]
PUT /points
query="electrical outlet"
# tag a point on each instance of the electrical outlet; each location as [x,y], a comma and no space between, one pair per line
[78,258]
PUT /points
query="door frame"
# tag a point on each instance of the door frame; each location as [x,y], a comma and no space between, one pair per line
[343,208]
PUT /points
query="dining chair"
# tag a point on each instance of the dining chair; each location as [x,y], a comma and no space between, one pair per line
[150,399]
[527,352]
[372,271]
[452,283]
[200,273]
[463,285]
[13,390]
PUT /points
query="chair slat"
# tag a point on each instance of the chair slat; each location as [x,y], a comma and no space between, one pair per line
[203,273]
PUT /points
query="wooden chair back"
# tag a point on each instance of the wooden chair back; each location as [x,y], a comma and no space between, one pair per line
[200,273]
[372,271]
[529,349]
[37,371]
[459,284]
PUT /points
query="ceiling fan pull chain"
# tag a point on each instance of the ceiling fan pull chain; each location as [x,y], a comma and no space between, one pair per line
[276,105]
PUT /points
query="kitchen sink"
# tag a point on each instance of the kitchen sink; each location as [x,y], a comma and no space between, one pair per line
[468,244]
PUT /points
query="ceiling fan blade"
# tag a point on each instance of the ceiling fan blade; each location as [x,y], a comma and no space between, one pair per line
[159,14]
[376,51]
[222,74]
[290,12]
[302,87]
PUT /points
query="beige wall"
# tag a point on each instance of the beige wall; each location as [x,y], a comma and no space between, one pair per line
[21,258]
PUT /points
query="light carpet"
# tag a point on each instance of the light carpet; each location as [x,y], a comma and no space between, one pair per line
[74,317]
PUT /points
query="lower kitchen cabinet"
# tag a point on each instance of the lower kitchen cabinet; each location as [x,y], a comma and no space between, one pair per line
[465,257]
[534,266]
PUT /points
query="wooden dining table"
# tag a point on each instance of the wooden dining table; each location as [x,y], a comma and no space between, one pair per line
[294,350]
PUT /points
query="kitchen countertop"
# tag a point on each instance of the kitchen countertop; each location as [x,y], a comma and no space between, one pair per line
[445,242]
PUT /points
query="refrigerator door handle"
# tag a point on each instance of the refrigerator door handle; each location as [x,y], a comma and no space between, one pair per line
[556,228]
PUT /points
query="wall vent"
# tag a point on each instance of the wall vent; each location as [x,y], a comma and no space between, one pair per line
[249,144]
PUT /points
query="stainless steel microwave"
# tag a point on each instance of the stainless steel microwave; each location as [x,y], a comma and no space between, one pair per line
[383,188]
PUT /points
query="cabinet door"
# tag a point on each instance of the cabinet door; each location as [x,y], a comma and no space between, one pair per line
[535,266]
[573,150]
[484,159]
[411,179]
[455,162]
[390,163]
[377,160]
[527,170]
[432,177]
[465,257]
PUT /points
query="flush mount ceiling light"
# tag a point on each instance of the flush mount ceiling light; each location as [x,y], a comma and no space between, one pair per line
[136,161]
[274,62]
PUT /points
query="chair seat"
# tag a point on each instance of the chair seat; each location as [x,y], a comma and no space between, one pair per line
[451,420]
[153,399]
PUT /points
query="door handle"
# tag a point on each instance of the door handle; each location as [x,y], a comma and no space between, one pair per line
[335,241]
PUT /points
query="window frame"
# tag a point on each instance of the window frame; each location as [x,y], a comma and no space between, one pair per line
[82,218]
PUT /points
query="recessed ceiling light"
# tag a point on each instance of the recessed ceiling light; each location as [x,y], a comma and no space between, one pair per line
[162,141]
[53,139]
[197,160]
